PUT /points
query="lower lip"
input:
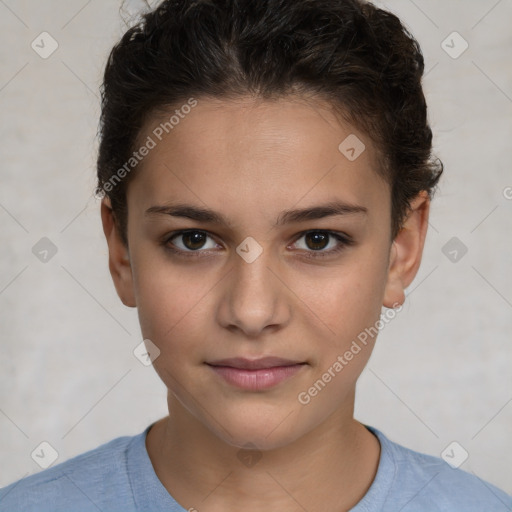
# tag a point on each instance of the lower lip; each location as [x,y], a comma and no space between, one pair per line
[255,380]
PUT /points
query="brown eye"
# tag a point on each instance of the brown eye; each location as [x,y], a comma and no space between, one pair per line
[317,240]
[191,241]
[194,240]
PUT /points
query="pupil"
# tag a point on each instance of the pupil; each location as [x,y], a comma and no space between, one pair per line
[317,238]
[196,237]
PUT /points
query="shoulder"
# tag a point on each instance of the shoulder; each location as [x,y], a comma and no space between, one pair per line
[424,482]
[82,483]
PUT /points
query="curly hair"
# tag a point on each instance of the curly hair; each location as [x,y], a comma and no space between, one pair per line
[359,58]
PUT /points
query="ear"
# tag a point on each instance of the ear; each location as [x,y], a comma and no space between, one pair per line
[118,256]
[406,251]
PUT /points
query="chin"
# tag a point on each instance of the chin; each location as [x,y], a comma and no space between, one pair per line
[255,431]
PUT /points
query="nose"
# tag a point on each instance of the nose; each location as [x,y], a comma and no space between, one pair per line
[254,297]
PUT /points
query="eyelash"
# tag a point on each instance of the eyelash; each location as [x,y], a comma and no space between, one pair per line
[344,240]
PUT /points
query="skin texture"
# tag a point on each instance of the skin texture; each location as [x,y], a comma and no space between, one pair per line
[250,160]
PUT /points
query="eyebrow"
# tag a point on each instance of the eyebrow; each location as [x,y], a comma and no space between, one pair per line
[200,214]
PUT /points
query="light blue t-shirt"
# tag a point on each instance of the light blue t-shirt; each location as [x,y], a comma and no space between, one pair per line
[118,476]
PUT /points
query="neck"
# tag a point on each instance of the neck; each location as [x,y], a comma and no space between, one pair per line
[334,463]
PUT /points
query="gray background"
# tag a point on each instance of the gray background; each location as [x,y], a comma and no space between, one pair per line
[441,370]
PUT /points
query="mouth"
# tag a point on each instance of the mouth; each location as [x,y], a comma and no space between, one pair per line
[256,374]
[255,364]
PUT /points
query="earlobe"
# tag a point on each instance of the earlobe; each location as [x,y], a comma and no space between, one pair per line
[119,258]
[394,294]
[406,251]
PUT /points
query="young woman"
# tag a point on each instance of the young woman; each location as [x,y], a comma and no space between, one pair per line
[266,174]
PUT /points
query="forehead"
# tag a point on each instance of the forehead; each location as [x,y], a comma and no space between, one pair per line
[256,154]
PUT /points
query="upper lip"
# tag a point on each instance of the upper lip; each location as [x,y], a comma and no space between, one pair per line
[254,364]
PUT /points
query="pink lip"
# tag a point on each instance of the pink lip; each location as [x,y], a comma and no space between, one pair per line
[254,364]
[256,374]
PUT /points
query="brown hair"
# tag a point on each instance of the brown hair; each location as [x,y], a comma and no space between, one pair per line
[359,58]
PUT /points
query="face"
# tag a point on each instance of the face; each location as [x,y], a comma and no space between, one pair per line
[286,254]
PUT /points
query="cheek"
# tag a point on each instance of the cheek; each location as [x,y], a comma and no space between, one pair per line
[170,310]
[350,305]
[168,300]
[349,298]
